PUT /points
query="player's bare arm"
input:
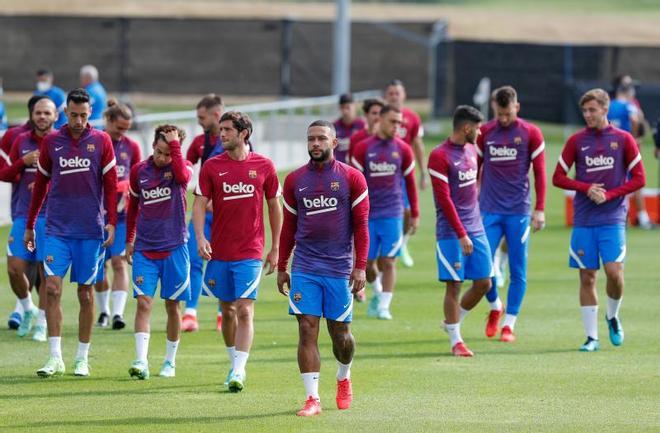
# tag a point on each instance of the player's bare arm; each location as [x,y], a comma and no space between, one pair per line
[128,252]
[538,220]
[418,150]
[466,245]
[357,280]
[199,215]
[283,282]
[275,218]
[110,229]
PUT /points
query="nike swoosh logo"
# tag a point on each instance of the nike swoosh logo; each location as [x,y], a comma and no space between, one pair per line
[57,149]
[584,148]
[490,142]
[144,180]
[302,189]
[222,174]
[457,163]
[25,151]
[371,154]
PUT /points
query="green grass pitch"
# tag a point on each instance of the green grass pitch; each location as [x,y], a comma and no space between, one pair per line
[405,379]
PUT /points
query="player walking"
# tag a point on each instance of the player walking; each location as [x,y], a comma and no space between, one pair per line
[347,124]
[608,166]
[462,250]
[79,164]
[327,208]
[237,181]
[507,146]
[156,243]
[387,163]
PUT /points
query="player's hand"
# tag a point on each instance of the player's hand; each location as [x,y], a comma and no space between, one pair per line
[596,193]
[357,280]
[28,240]
[111,236]
[271,260]
[171,135]
[204,249]
[423,180]
[414,225]
[31,158]
[538,220]
[283,279]
[128,252]
[30,186]
[466,245]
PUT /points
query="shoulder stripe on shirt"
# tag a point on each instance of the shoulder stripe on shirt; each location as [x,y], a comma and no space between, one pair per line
[190,168]
[635,161]
[360,198]
[357,164]
[133,193]
[5,156]
[438,175]
[538,150]
[409,169]
[289,208]
[564,165]
[109,166]
[479,152]
[44,172]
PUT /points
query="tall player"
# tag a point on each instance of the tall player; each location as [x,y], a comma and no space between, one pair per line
[412,132]
[118,119]
[203,147]
[6,142]
[79,164]
[389,167]
[327,208]
[21,173]
[462,250]
[608,166]
[507,146]
[237,182]
[156,243]
[347,124]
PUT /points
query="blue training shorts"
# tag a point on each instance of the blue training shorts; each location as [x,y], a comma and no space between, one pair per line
[172,271]
[315,295]
[454,266]
[385,237]
[83,255]
[232,280]
[15,245]
[590,243]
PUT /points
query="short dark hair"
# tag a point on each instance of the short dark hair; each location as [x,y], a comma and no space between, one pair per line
[387,108]
[159,134]
[368,103]
[346,98]
[324,124]
[33,101]
[395,82]
[78,96]
[241,121]
[41,72]
[466,114]
[505,95]
[210,101]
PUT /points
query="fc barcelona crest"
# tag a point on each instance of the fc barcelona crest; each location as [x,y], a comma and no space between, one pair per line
[139,280]
[614,145]
[91,147]
[212,282]
[123,155]
[517,141]
[457,265]
[297,297]
[167,175]
[395,155]
[252,174]
[334,186]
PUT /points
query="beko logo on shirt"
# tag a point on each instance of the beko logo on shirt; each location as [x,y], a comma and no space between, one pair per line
[320,204]
[378,169]
[598,163]
[467,177]
[75,165]
[502,153]
[240,190]
[158,194]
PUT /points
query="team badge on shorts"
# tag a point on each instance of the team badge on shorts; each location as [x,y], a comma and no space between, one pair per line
[50,259]
[395,155]
[517,140]
[252,174]
[167,175]
[139,280]
[297,297]
[580,252]
[614,145]
[123,155]
[90,147]
[212,282]
[457,265]
[334,186]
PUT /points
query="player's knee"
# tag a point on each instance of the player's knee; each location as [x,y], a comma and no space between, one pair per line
[53,290]
[171,307]
[388,264]
[343,340]
[244,313]
[588,279]
[118,264]
[144,304]
[614,274]
[85,295]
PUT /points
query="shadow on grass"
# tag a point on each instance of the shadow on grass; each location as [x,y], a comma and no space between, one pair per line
[144,421]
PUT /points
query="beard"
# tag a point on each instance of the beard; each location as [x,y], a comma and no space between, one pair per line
[325,156]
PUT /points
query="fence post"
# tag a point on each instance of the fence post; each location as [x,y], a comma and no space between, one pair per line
[286,41]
